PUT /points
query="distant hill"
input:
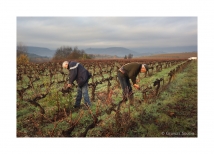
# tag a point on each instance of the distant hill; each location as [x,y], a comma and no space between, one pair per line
[40,51]
[138,52]
[112,51]
[32,55]
[37,58]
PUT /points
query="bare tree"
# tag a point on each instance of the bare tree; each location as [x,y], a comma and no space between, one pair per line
[22,57]
[62,53]
[21,49]
[130,56]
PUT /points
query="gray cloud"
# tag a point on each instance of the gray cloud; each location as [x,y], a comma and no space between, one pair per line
[130,32]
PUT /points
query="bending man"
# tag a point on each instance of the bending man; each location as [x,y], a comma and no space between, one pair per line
[81,75]
[130,71]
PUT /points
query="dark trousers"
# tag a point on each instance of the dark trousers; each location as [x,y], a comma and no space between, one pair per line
[83,91]
[125,84]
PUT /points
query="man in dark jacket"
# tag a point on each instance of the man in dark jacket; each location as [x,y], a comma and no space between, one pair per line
[130,71]
[81,75]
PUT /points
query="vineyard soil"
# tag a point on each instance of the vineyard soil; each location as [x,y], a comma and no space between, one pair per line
[165,105]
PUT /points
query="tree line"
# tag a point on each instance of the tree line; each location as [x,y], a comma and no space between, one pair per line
[65,53]
[62,53]
[130,56]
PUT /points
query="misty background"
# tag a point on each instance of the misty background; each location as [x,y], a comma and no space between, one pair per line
[108,35]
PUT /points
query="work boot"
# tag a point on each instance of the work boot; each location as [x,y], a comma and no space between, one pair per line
[75,108]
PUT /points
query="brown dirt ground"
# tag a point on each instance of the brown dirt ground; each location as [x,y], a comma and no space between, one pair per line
[183,55]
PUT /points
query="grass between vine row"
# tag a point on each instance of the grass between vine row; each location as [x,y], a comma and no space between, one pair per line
[172,114]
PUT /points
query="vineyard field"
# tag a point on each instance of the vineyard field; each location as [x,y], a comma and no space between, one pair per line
[164,106]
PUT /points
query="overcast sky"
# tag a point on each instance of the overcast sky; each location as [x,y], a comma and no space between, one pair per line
[102,32]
